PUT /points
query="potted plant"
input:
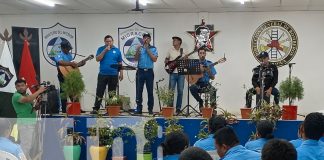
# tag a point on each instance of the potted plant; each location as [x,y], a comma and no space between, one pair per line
[172,125]
[230,117]
[291,89]
[71,140]
[245,111]
[73,87]
[102,136]
[206,111]
[146,131]
[113,103]
[166,95]
[203,132]
[266,112]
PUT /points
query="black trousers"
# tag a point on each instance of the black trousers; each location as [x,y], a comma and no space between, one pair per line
[252,91]
[63,100]
[102,82]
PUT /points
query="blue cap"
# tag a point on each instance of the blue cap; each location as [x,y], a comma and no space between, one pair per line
[263,55]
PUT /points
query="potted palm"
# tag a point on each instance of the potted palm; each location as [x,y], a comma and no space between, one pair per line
[113,103]
[102,136]
[71,140]
[166,96]
[73,87]
[206,111]
[291,89]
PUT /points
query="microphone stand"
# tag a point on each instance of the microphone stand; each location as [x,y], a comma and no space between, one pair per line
[261,81]
[157,88]
[290,69]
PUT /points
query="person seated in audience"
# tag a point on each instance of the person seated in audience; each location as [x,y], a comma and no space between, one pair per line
[214,123]
[311,131]
[264,133]
[321,141]
[299,141]
[194,153]
[277,149]
[228,146]
[6,144]
[174,144]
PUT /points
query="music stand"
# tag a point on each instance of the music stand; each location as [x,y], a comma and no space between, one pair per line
[189,67]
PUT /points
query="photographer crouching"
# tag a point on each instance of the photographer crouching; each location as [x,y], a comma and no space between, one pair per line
[26,116]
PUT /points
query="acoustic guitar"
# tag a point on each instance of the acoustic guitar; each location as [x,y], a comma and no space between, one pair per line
[66,69]
[172,65]
[192,79]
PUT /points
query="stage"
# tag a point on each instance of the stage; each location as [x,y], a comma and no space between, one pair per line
[53,149]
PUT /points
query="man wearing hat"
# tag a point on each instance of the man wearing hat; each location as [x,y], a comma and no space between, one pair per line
[270,72]
[64,58]
[146,55]
[175,78]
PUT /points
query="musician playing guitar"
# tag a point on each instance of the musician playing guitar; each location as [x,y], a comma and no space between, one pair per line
[202,84]
[64,58]
[173,55]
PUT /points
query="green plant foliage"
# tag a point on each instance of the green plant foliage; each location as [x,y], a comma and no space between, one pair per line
[73,85]
[172,125]
[102,129]
[73,138]
[113,99]
[291,89]
[229,117]
[266,112]
[151,129]
[166,95]
[203,132]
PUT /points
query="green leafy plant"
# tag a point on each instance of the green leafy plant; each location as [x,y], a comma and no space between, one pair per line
[291,89]
[172,125]
[166,95]
[113,99]
[73,86]
[73,138]
[229,117]
[203,132]
[68,136]
[103,129]
[266,112]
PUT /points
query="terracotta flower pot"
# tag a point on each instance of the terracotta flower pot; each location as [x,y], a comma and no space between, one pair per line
[73,108]
[206,112]
[289,112]
[167,112]
[113,110]
[245,113]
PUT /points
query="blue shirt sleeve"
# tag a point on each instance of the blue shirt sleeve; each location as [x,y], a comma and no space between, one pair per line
[154,51]
[119,56]
[99,50]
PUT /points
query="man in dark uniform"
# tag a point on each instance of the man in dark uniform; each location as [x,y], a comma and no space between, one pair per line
[270,73]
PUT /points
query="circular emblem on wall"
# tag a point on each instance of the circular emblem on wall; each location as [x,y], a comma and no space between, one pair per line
[278,38]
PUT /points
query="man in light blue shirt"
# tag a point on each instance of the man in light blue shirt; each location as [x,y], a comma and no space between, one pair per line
[277,149]
[195,153]
[7,145]
[264,133]
[214,123]
[146,55]
[299,141]
[229,148]
[108,55]
[312,130]
[174,144]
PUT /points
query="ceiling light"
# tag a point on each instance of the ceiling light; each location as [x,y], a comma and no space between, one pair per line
[46,2]
[143,2]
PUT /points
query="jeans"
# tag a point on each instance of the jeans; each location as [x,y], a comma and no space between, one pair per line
[252,91]
[203,88]
[63,99]
[144,76]
[176,79]
[102,82]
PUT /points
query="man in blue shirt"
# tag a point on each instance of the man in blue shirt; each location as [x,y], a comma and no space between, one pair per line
[203,85]
[64,58]
[312,130]
[214,123]
[109,56]
[297,142]
[277,149]
[229,148]
[264,133]
[174,144]
[7,145]
[194,153]
[146,55]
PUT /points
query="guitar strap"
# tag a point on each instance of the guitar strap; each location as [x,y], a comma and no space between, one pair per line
[181,52]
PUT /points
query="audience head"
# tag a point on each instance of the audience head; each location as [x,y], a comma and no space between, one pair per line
[313,126]
[265,129]
[276,149]
[5,127]
[174,143]
[194,153]
[215,123]
[225,139]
